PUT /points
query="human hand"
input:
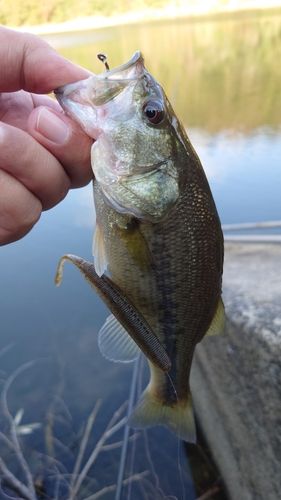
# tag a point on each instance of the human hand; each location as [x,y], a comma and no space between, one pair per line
[43,153]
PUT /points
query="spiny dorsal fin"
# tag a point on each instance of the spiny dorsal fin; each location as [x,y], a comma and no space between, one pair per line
[98,250]
[115,343]
[218,321]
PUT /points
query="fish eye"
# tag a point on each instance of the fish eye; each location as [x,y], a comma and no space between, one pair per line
[154,112]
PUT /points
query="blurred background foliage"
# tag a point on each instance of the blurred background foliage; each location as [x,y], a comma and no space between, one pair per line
[219,75]
[32,12]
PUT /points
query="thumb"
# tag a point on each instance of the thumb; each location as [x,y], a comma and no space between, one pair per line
[65,139]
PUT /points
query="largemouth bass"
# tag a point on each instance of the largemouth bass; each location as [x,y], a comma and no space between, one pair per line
[158,235]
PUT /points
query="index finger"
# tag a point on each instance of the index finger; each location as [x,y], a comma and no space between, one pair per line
[29,63]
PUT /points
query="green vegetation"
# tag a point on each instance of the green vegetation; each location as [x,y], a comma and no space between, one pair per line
[218,75]
[29,12]
[32,12]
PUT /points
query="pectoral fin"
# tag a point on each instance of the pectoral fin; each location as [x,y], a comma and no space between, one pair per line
[115,343]
[122,309]
[98,251]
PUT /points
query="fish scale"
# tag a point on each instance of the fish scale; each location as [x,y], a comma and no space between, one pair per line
[170,293]
[158,234]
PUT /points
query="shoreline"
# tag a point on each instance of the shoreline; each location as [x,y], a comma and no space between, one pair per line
[151,15]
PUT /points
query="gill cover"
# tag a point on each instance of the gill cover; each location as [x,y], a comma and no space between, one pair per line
[125,110]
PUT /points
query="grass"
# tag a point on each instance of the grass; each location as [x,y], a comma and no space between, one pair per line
[18,477]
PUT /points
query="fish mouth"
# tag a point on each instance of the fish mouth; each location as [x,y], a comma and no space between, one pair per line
[131,70]
[70,88]
[97,90]
[136,60]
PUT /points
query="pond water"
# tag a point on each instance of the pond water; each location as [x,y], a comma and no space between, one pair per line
[223,79]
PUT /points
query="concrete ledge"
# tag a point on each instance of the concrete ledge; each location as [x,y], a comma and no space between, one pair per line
[236,378]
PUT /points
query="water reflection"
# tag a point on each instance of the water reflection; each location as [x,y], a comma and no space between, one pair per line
[223,80]
[243,171]
[218,74]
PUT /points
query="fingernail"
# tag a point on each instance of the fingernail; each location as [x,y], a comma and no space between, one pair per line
[51,126]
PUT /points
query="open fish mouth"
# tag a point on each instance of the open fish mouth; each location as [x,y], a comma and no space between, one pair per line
[129,71]
[83,100]
[136,59]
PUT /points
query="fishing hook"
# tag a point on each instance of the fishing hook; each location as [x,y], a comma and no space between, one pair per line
[103,59]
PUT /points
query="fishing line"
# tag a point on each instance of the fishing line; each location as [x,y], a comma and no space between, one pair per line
[154,473]
[178,445]
[127,431]
[135,390]
[137,396]
[180,469]
[137,393]
[158,490]
[145,438]
[131,469]
[150,461]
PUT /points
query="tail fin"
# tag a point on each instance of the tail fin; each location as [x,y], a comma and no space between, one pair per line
[178,418]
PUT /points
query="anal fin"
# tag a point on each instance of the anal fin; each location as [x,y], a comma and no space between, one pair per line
[218,321]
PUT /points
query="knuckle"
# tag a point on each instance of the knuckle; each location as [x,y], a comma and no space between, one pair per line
[81,179]
[58,193]
[78,164]
[27,218]
[32,215]
[20,226]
